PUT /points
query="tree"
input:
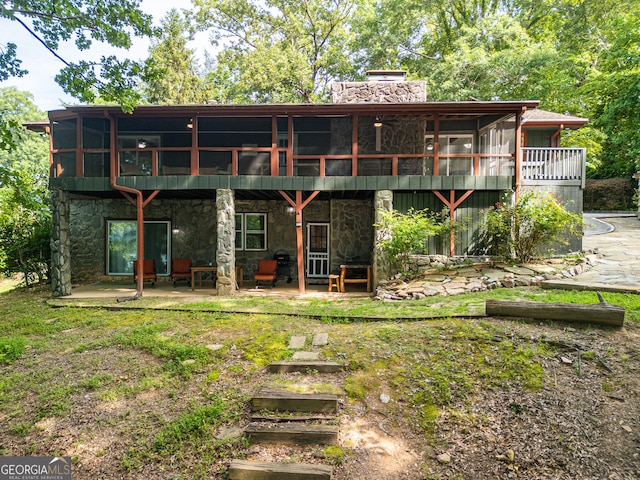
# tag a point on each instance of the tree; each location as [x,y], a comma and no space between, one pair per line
[177,79]
[24,207]
[277,50]
[84,21]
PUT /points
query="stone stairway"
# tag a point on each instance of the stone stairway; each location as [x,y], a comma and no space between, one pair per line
[282,415]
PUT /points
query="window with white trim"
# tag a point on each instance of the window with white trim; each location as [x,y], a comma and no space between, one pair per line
[251,231]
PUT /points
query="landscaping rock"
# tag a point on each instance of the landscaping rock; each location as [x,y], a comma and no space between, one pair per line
[456,276]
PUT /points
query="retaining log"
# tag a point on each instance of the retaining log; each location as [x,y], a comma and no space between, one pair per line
[602,313]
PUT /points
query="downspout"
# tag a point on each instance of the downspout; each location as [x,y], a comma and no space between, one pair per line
[113,170]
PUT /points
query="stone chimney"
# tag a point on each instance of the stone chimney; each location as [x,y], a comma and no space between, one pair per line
[382,86]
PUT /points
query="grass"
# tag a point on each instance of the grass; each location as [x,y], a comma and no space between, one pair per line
[151,387]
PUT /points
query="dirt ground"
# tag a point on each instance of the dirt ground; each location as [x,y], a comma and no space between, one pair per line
[583,424]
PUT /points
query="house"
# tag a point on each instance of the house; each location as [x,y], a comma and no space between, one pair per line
[229,185]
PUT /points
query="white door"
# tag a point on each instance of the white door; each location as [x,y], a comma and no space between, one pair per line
[317,250]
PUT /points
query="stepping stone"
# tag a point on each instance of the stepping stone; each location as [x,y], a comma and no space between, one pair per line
[292,434]
[320,339]
[305,367]
[310,356]
[249,470]
[286,401]
[297,342]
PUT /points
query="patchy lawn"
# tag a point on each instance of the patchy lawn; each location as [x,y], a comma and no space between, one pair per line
[163,394]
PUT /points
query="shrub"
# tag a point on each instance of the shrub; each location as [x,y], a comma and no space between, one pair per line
[407,233]
[519,230]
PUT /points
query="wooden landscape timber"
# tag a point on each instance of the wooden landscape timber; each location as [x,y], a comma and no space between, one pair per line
[602,313]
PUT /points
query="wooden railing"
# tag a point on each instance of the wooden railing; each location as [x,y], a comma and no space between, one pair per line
[538,164]
[553,164]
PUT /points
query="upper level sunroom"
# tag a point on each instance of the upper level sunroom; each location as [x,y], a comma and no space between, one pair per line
[296,140]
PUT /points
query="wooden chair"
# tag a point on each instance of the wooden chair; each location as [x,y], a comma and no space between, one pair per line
[267,272]
[148,273]
[181,270]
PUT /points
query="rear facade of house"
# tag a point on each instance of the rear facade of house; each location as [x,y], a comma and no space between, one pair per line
[229,185]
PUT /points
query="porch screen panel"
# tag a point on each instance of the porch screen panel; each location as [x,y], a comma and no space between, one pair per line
[122,246]
[322,135]
[234,131]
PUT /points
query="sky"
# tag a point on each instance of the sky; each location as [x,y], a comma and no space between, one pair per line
[43,66]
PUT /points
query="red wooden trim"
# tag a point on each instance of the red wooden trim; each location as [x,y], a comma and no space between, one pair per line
[234,161]
[289,146]
[518,151]
[436,145]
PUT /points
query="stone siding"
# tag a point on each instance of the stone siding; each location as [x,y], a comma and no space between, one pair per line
[351,232]
[61,257]
[379,92]
[195,221]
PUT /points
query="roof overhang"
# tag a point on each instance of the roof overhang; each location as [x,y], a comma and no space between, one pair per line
[544,119]
[443,109]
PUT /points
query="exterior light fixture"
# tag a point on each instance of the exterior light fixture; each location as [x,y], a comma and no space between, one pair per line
[142,144]
[430,146]
[190,123]
[377,123]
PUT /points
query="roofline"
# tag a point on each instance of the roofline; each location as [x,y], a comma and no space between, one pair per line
[503,107]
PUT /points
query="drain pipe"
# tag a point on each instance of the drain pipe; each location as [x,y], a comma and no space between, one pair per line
[126,191]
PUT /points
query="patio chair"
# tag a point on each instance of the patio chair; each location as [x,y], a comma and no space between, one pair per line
[181,270]
[148,273]
[267,272]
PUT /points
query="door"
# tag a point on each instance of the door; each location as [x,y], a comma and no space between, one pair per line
[317,250]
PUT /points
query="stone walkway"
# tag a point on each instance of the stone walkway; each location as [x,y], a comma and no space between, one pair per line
[611,263]
[613,240]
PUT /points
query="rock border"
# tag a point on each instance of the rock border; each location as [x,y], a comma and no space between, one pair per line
[433,275]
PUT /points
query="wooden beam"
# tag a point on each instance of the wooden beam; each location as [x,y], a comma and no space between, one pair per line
[600,314]
[299,205]
[452,204]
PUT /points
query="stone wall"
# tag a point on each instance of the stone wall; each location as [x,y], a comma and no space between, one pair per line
[197,224]
[195,221]
[226,233]
[351,232]
[60,244]
[379,92]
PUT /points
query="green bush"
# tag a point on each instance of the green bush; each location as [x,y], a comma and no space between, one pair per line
[407,233]
[519,230]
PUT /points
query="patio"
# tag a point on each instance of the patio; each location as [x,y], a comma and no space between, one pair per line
[164,288]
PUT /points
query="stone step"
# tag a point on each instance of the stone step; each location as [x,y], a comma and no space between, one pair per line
[286,401]
[292,434]
[305,367]
[250,470]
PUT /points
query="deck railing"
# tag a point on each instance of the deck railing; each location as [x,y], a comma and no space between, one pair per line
[553,164]
[538,164]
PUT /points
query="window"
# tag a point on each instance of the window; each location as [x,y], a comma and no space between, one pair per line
[251,231]
[454,144]
[122,238]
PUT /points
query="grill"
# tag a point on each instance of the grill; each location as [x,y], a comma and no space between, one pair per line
[284,265]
